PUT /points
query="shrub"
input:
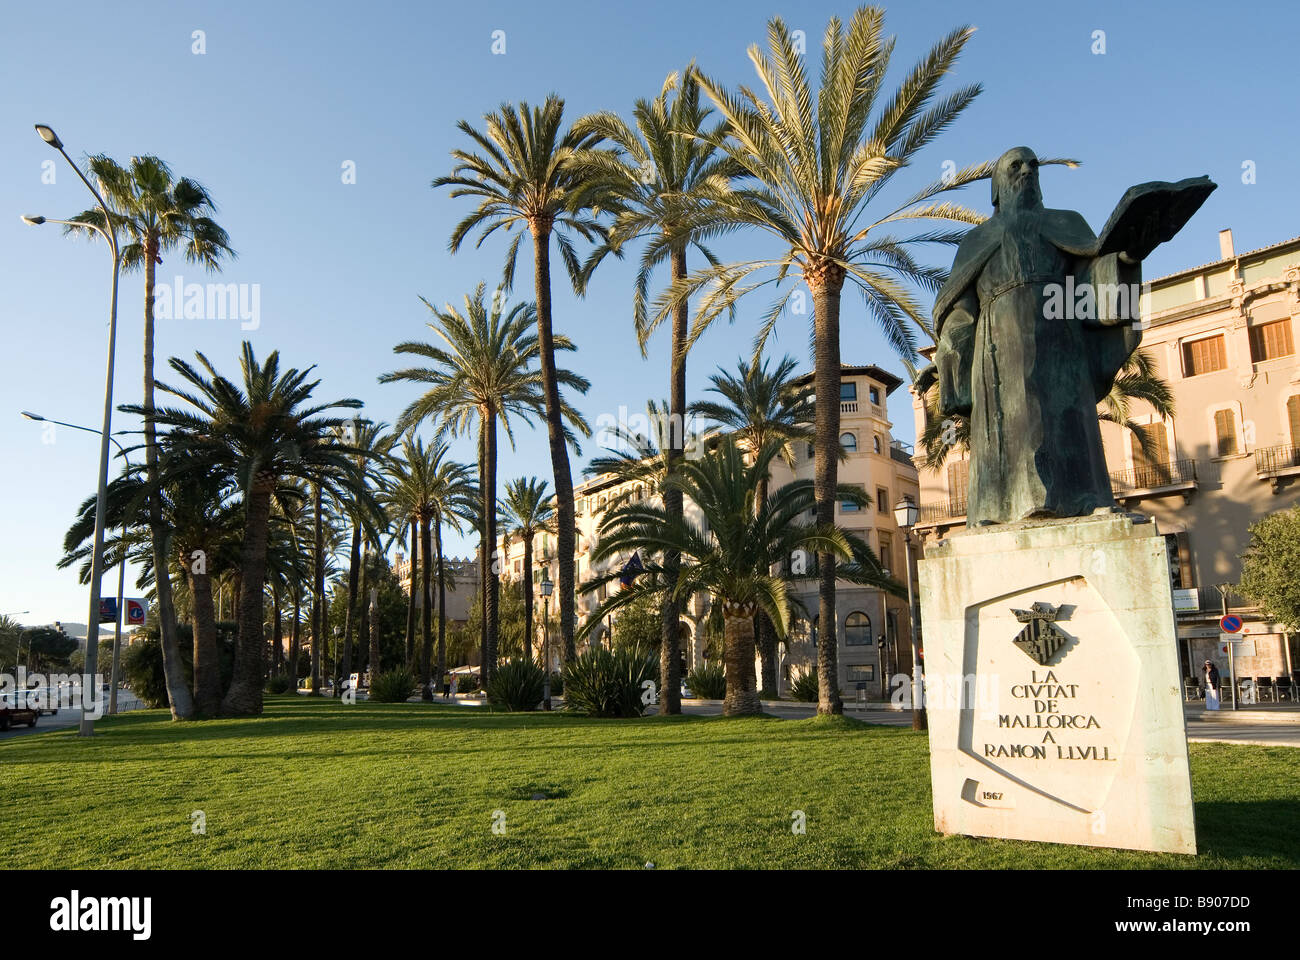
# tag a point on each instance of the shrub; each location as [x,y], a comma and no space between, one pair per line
[142,665]
[603,684]
[466,682]
[805,687]
[557,684]
[278,684]
[707,682]
[516,685]
[393,686]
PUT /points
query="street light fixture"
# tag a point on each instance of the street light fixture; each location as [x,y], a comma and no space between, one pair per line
[109,232]
[906,514]
[546,587]
[115,671]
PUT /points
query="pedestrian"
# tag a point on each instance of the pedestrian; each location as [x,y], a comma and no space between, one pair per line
[446,686]
[455,681]
[1211,686]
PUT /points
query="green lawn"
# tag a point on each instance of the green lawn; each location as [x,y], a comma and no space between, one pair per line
[320,784]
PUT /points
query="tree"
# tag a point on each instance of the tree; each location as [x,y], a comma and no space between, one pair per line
[158,213]
[662,183]
[763,407]
[528,511]
[524,176]
[262,430]
[483,374]
[817,164]
[731,559]
[11,632]
[48,647]
[1269,567]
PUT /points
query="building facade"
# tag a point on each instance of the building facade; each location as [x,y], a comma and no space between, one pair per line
[1222,335]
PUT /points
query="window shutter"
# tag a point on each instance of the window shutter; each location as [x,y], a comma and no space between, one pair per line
[1225,428]
[1268,341]
[1293,416]
[1185,560]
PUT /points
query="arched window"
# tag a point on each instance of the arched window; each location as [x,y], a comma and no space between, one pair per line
[857,630]
[849,442]
[875,443]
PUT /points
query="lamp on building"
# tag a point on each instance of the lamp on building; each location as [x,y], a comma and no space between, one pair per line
[906,514]
[546,587]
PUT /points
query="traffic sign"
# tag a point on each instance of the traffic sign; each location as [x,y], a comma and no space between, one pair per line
[1231,623]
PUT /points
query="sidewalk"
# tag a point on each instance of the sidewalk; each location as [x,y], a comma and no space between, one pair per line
[1288,712]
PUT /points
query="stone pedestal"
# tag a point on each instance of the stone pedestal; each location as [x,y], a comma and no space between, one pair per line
[1052,679]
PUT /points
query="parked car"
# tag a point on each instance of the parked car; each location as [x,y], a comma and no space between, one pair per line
[14,709]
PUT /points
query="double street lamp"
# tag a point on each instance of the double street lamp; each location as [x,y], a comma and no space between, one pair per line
[114,673]
[109,233]
[906,514]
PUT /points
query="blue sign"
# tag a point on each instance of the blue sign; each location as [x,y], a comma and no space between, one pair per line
[1230,624]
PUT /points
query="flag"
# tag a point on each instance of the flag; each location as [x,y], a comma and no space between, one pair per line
[108,610]
[631,569]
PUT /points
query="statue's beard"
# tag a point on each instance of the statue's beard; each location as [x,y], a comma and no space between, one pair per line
[1023,195]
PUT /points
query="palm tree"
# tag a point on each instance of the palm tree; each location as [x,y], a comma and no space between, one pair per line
[733,560]
[817,163]
[662,183]
[524,176]
[1138,381]
[365,515]
[763,407]
[158,213]
[262,430]
[483,373]
[529,510]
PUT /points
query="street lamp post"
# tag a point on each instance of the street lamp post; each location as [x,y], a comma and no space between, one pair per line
[905,515]
[114,673]
[1224,589]
[109,232]
[546,588]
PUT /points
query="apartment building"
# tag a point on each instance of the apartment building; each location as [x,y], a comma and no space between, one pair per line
[1222,335]
[877,463]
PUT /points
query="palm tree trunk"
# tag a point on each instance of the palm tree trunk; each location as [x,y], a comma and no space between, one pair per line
[207,656]
[555,434]
[426,567]
[764,631]
[318,596]
[363,616]
[825,286]
[670,693]
[349,617]
[410,599]
[492,609]
[375,666]
[277,650]
[482,563]
[738,655]
[244,698]
[528,595]
[178,694]
[295,640]
[442,602]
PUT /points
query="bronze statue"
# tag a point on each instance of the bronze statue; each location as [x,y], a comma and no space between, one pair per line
[1036,319]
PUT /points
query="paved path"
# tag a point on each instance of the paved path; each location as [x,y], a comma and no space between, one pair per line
[1274,725]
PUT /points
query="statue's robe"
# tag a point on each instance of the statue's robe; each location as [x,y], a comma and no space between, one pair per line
[1030,384]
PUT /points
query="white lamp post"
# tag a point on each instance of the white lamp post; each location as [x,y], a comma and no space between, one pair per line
[87,728]
[546,587]
[905,515]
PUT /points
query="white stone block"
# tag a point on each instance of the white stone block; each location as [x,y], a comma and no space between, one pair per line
[1076,735]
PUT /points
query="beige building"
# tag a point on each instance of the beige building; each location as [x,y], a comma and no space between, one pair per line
[876,462]
[1222,335]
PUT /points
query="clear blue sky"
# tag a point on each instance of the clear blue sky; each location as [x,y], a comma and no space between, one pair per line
[286,93]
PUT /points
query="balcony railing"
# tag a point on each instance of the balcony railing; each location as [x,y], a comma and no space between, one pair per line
[934,514]
[1270,461]
[1154,476]
[848,406]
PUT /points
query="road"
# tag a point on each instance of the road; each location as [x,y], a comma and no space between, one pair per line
[69,717]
